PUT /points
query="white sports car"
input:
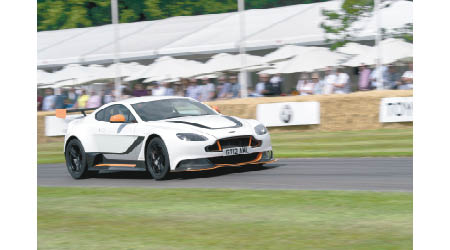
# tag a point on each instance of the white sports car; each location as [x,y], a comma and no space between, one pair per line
[161,135]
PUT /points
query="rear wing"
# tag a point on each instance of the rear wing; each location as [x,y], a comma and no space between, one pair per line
[61,113]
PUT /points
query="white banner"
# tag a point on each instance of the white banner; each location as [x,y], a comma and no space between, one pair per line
[396,109]
[55,126]
[288,113]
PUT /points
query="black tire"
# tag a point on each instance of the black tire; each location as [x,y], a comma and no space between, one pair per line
[157,159]
[76,161]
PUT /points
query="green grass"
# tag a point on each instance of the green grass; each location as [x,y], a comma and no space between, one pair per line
[133,218]
[367,143]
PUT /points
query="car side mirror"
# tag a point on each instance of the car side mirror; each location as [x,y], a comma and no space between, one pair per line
[216,108]
[117,118]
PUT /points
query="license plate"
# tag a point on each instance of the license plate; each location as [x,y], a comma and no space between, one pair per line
[236,151]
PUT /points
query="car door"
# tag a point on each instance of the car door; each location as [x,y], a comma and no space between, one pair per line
[117,138]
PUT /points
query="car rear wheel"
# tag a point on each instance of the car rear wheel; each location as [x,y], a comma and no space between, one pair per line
[157,159]
[76,160]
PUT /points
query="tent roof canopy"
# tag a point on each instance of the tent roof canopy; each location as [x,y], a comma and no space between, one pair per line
[213,33]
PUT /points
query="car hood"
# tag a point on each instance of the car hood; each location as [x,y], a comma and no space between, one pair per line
[219,126]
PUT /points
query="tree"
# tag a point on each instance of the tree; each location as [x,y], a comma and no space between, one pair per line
[63,14]
[341,26]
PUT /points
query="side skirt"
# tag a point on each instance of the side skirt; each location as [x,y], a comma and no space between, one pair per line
[96,161]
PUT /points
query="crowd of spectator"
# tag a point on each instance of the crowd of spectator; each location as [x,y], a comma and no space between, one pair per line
[334,81]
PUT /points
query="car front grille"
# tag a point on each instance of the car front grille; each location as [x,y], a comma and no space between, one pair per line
[231,142]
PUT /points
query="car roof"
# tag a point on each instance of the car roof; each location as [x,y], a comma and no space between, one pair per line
[134,100]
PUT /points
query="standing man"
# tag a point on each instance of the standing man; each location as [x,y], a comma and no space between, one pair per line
[193,90]
[235,87]
[139,90]
[342,85]
[208,90]
[393,78]
[407,78]
[329,81]
[261,85]
[48,103]
[364,77]
[276,83]
[82,100]
[224,88]
[374,76]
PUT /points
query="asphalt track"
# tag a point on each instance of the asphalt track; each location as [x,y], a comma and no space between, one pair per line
[375,174]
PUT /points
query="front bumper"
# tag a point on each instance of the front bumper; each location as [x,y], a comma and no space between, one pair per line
[225,161]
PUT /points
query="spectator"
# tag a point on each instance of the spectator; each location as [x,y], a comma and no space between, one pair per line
[318,86]
[181,91]
[48,103]
[71,98]
[207,90]
[304,85]
[261,85]
[82,100]
[94,101]
[342,85]
[108,95]
[139,90]
[273,87]
[235,87]
[224,88]
[392,78]
[162,89]
[60,98]
[252,93]
[329,81]
[39,102]
[276,79]
[407,78]
[126,93]
[364,77]
[374,76]
[193,90]
[178,89]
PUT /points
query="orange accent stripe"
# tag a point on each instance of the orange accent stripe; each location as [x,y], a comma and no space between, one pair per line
[116,165]
[250,141]
[218,144]
[243,163]
[230,165]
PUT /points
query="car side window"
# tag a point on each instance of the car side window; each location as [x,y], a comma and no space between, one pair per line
[100,115]
[119,109]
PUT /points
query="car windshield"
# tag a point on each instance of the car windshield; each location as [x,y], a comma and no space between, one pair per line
[170,108]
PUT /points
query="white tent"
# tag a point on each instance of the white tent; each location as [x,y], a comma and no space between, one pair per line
[284,52]
[167,67]
[215,33]
[392,50]
[353,49]
[225,62]
[315,58]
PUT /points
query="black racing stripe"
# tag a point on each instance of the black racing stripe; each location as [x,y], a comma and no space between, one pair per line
[192,124]
[237,123]
[136,143]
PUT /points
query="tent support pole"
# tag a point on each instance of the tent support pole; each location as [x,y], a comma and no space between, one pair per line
[115,21]
[242,72]
[380,84]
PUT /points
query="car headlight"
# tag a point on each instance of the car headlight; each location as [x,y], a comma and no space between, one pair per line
[191,137]
[260,129]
